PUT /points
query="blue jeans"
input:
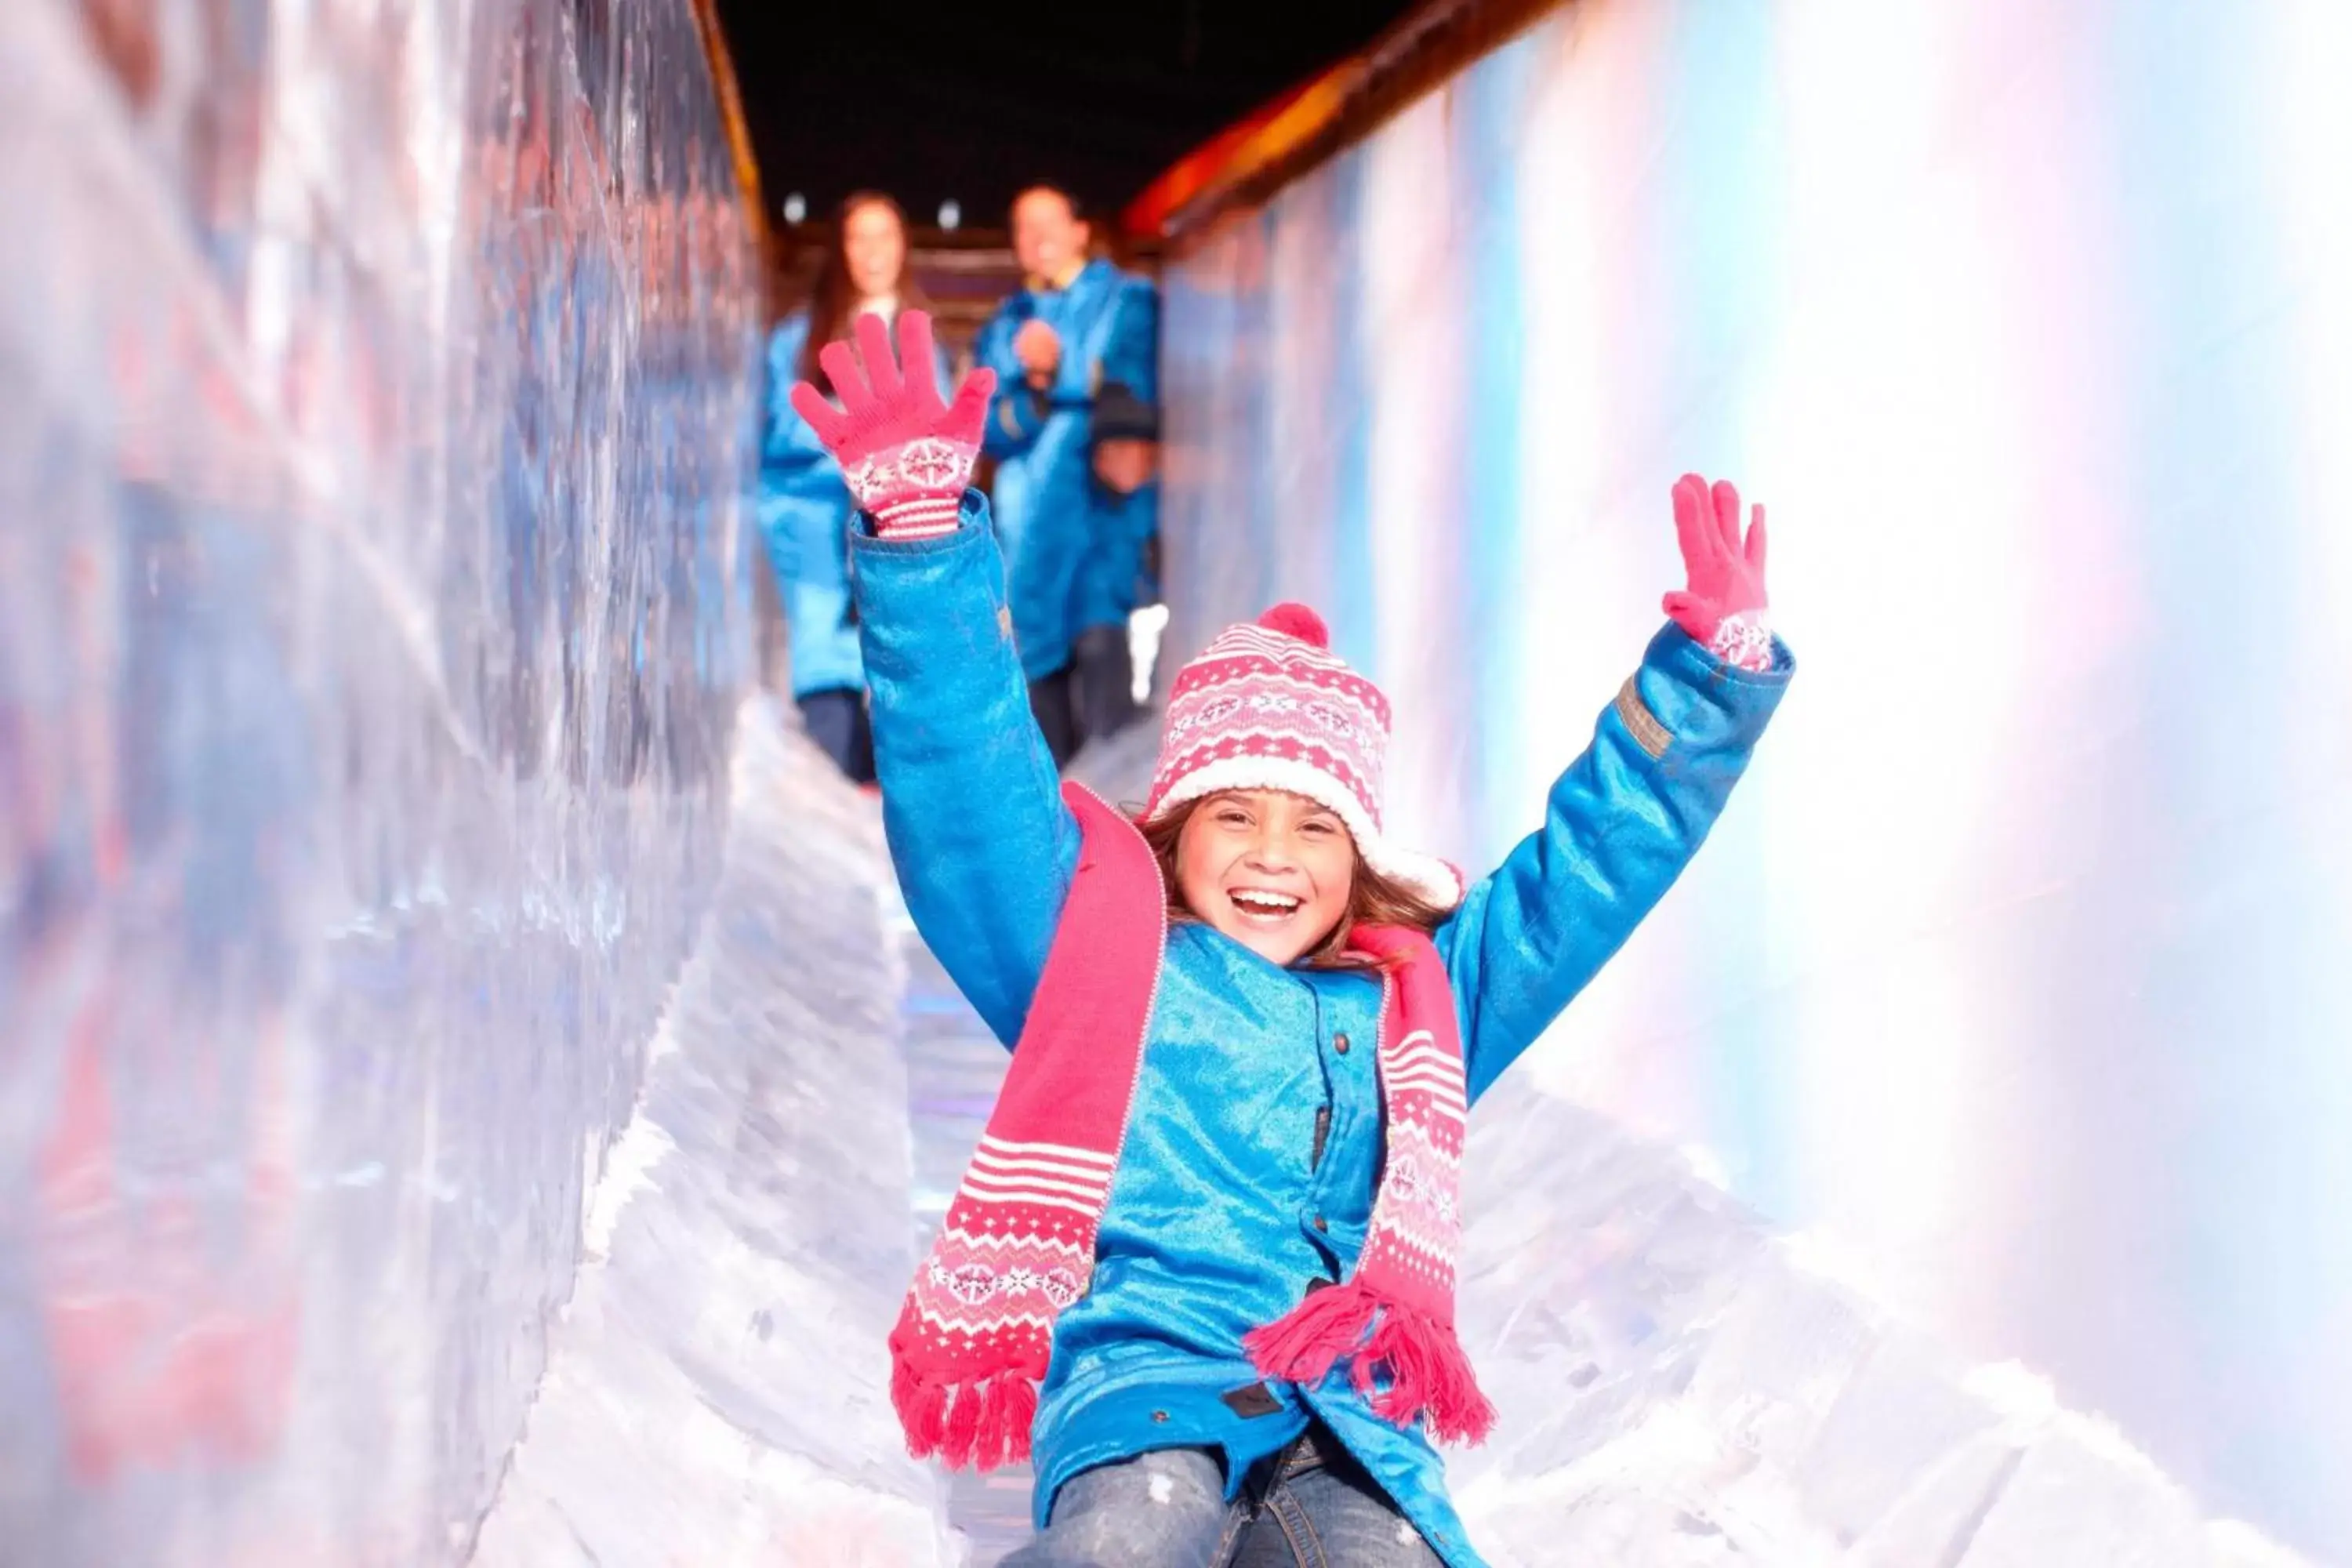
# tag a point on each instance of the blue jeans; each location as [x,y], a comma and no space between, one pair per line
[1309,1505]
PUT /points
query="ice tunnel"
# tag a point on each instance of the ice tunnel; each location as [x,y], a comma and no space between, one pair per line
[469,1092]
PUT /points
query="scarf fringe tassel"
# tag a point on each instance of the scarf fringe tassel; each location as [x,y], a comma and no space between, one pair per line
[1429,1374]
[982,1423]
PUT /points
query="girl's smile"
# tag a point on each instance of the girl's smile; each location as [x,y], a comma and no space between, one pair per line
[1271,870]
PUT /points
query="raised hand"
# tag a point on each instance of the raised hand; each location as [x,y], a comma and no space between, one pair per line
[907,456]
[1723,608]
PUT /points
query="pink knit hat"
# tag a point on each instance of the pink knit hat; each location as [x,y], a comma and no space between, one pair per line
[1270,706]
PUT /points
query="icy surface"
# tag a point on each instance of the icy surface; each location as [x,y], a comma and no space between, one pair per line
[717,1390]
[372,390]
[1678,1386]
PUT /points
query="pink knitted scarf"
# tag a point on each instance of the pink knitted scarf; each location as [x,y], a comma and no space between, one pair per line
[977,1329]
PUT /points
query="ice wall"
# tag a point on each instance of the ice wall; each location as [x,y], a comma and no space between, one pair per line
[1679,1386]
[2015,974]
[717,1389]
[374,393]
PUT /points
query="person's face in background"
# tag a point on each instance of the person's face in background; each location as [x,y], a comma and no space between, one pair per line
[1124,465]
[874,247]
[1047,235]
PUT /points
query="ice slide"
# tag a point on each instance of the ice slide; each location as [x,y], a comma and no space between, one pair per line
[467,1093]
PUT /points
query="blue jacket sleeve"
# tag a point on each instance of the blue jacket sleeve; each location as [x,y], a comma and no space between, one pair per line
[1016,413]
[972,802]
[1622,822]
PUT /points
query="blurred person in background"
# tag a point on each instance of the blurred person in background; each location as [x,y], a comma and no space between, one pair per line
[804,508]
[1049,346]
[1121,573]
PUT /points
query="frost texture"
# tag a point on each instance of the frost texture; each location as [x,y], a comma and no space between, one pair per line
[374,407]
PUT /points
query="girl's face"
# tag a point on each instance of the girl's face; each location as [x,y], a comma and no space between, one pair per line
[876,248]
[1273,871]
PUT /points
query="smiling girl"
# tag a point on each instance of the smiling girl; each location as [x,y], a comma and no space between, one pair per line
[1202,1268]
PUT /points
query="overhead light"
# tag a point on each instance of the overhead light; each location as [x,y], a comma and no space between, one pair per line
[950,214]
[795,208]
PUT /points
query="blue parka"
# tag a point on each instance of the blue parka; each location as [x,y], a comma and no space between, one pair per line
[1253,1141]
[1047,502]
[804,511]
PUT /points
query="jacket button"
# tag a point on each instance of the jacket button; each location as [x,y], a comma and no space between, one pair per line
[1340,1044]
[1161,1416]
[1322,1224]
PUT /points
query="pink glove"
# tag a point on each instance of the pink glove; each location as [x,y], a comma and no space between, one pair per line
[906,455]
[1724,609]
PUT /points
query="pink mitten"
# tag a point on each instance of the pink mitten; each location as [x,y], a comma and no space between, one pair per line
[906,455]
[1724,609]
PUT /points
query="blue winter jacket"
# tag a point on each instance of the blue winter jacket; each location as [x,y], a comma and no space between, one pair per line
[1046,498]
[804,511]
[1253,1142]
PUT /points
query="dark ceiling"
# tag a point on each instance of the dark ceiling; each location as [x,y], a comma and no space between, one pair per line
[975,103]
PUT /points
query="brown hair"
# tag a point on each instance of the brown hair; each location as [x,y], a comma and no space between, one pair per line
[1372,899]
[833,299]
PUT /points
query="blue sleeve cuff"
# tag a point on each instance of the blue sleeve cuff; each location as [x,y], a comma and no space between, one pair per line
[1685,698]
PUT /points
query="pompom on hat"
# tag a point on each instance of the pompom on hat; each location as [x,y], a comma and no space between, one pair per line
[1270,706]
